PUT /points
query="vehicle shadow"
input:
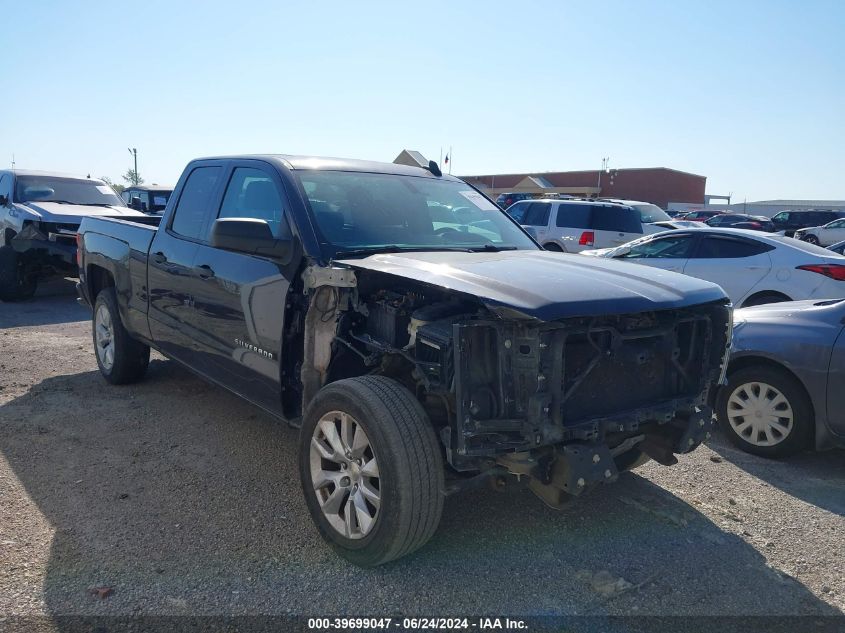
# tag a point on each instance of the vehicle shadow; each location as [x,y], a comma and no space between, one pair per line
[174,497]
[53,303]
[815,477]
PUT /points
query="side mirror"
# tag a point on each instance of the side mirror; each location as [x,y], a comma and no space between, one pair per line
[4,201]
[248,235]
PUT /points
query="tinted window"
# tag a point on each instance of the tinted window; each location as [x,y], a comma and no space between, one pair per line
[159,201]
[781,217]
[616,218]
[675,246]
[517,211]
[725,247]
[574,216]
[141,199]
[5,184]
[537,214]
[194,202]
[251,193]
[838,224]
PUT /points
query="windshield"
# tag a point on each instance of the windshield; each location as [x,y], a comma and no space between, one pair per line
[366,211]
[66,190]
[651,213]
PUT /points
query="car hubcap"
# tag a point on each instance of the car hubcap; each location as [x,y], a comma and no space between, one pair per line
[760,414]
[104,335]
[345,475]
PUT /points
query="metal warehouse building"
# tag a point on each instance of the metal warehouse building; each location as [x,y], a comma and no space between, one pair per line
[658,185]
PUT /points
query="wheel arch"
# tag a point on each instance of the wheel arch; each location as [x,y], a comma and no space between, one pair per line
[753,360]
[97,278]
[761,293]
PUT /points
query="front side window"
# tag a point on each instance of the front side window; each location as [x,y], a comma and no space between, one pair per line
[65,190]
[782,217]
[195,202]
[361,210]
[251,193]
[675,246]
[518,210]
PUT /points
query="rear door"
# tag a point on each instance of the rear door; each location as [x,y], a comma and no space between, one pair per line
[240,299]
[615,225]
[737,264]
[170,276]
[669,252]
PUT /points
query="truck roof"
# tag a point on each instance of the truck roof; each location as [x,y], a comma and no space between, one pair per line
[297,162]
[51,174]
[150,187]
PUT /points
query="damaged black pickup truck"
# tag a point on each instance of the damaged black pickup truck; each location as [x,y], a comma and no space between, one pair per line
[418,336]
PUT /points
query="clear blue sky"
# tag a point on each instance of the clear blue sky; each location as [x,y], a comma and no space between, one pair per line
[750,94]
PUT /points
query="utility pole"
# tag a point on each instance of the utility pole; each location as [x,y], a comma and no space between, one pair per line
[13,161]
[604,163]
[134,153]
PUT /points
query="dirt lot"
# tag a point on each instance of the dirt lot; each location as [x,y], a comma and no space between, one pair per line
[182,499]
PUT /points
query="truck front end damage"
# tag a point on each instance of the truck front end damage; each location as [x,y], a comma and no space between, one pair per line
[567,403]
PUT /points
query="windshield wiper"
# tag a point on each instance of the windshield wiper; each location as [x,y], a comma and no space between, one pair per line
[393,248]
[492,248]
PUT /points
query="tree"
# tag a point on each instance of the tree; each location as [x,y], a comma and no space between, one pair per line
[132,177]
[117,188]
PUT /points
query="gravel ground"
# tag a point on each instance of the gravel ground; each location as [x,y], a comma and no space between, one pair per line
[179,498]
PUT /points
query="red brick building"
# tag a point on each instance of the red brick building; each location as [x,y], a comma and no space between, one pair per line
[657,185]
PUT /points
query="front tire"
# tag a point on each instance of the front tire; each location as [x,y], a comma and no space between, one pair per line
[371,469]
[765,411]
[121,358]
[811,239]
[16,283]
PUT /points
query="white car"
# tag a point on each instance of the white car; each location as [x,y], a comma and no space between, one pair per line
[826,235]
[751,267]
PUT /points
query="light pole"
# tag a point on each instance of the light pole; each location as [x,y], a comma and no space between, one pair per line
[604,163]
[134,153]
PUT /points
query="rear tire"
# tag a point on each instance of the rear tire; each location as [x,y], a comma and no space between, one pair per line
[121,358]
[15,283]
[382,500]
[785,424]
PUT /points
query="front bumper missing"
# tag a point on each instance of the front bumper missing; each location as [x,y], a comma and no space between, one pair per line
[558,474]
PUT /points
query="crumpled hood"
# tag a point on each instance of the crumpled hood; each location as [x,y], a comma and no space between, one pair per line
[73,213]
[545,285]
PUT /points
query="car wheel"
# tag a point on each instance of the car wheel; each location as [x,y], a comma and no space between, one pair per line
[765,411]
[763,298]
[811,239]
[15,282]
[121,358]
[371,469]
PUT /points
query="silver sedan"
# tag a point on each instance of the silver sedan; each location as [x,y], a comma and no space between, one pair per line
[786,378]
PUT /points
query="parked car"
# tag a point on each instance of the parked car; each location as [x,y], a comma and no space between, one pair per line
[571,226]
[151,199]
[790,221]
[784,378]
[674,225]
[415,358]
[752,267]
[826,235]
[649,213]
[699,216]
[741,221]
[39,215]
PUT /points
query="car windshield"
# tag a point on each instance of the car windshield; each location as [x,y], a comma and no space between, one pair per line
[65,190]
[651,213]
[358,211]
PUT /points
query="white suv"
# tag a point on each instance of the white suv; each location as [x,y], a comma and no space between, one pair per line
[572,226]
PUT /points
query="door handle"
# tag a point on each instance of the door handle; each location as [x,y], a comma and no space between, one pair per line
[159,258]
[204,271]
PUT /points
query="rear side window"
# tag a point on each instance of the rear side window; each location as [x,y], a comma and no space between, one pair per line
[574,216]
[251,193]
[195,202]
[712,247]
[537,214]
[616,218]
